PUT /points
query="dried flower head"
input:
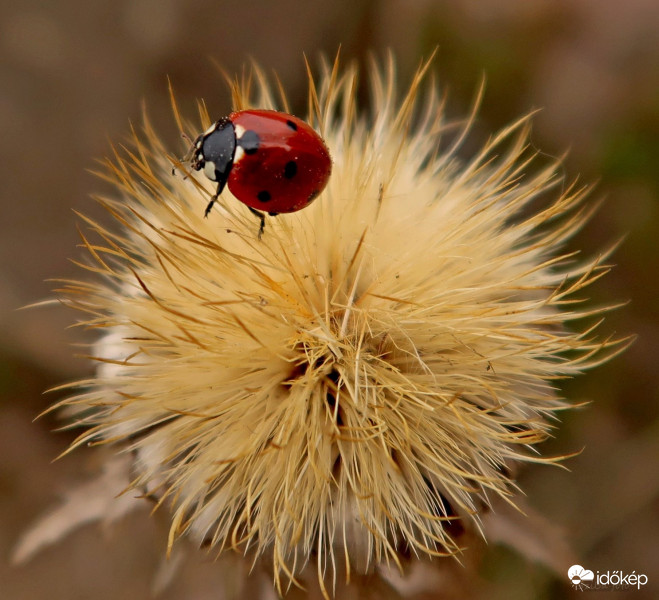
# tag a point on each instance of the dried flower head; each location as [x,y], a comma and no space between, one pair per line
[347,388]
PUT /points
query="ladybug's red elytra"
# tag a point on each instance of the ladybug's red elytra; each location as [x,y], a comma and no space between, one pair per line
[272,161]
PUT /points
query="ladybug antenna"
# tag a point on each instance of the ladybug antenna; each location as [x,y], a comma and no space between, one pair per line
[190,152]
[188,155]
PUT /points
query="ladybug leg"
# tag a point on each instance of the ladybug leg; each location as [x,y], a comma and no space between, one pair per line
[261,218]
[214,197]
[210,205]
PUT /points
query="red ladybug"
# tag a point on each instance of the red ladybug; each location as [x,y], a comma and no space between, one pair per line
[271,161]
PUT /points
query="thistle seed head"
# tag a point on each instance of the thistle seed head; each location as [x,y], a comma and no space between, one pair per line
[352,385]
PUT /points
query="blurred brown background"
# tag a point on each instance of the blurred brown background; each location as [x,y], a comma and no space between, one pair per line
[73,74]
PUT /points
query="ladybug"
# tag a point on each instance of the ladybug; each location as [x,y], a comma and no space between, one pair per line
[272,161]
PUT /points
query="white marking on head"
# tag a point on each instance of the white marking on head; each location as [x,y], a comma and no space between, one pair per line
[209,171]
[240,130]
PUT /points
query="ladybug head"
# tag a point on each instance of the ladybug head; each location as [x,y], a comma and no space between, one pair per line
[213,151]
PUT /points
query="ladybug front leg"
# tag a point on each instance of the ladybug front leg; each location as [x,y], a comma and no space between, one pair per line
[214,197]
[210,205]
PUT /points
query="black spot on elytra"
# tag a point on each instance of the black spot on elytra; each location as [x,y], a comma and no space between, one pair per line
[290,170]
[250,141]
[292,125]
[264,196]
